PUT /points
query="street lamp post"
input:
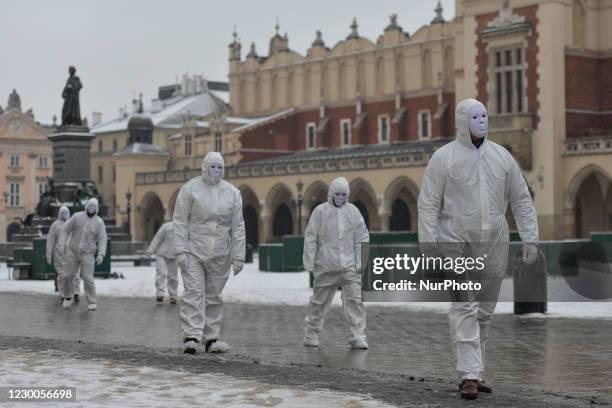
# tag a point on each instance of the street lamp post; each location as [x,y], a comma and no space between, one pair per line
[128,196]
[300,200]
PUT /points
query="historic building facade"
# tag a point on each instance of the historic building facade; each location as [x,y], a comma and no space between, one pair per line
[26,160]
[374,111]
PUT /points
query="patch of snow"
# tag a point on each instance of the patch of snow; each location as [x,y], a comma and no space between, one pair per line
[253,286]
[101,383]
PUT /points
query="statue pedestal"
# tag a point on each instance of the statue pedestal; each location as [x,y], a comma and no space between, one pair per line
[71,165]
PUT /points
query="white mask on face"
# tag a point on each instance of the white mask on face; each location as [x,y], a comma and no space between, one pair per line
[479,121]
[339,199]
[91,210]
[215,171]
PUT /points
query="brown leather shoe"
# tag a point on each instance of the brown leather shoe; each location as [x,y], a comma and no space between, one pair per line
[482,387]
[469,389]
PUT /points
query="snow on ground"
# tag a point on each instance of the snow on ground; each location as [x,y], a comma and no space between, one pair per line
[102,383]
[291,288]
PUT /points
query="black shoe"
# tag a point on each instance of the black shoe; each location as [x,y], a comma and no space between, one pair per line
[160,299]
[190,345]
[209,343]
[76,298]
[482,387]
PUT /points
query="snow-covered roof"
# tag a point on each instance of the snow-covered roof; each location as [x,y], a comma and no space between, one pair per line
[142,148]
[223,95]
[172,114]
[262,120]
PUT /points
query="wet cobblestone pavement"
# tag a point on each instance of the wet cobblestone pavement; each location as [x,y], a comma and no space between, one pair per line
[571,357]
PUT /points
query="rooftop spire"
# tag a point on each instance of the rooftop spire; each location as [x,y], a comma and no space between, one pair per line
[252,53]
[318,42]
[276,26]
[354,26]
[439,18]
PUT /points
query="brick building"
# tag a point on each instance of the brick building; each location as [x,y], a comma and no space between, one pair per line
[375,110]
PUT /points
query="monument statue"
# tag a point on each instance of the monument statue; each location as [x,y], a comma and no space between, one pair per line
[48,200]
[14,101]
[71,111]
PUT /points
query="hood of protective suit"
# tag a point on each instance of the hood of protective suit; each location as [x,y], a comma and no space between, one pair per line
[462,120]
[339,185]
[92,202]
[63,213]
[212,158]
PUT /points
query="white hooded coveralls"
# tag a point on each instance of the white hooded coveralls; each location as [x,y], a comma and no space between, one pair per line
[53,253]
[464,196]
[332,252]
[162,246]
[81,237]
[209,228]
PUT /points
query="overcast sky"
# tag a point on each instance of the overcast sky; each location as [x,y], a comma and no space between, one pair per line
[121,48]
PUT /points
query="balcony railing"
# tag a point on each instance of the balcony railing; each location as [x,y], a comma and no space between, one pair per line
[588,145]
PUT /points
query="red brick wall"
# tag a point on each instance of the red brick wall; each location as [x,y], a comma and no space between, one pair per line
[588,86]
[276,135]
[605,85]
[289,133]
[582,83]
[531,57]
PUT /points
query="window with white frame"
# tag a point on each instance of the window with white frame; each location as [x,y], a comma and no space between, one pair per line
[424,124]
[218,142]
[14,194]
[311,136]
[187,145]
[509,80]
[15,160]
[345,132]
[43,161]
[383,128]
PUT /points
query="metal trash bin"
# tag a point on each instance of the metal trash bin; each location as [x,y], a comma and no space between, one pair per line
[530,284]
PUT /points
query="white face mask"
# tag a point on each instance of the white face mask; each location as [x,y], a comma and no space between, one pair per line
[479,121]
[64,215]
[339,199]
[215,171]
[91,210]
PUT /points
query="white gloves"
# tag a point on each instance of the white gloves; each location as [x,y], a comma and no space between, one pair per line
[181,260]
[530,253]
[237,267]
[99,259]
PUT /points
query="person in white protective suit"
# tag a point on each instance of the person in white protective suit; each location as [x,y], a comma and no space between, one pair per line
[209,237]
[465,193]
[53,255]
[166,267]
[332,253]
[83,234]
